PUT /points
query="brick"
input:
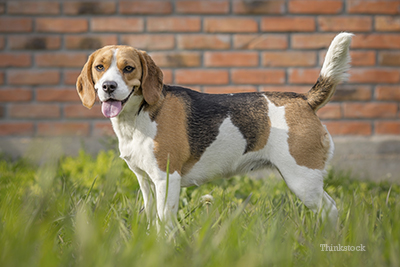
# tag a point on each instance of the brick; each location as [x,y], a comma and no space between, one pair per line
[230,59]
[285,88]
[198,76]
[389,58]
[311,41]
[229,89]
[89,8]
[78,111]
[168,77]
[338,24]
[33,77]
[391,93]
[387,127]
[70,76]
[374,75]
[103,129]
[387,23]
[33,8]
[204,41]
[61,59]
[376,41]
[150,41]
[1,77]
[363,58]
[15,95]
[50,94]
[349,92]
[349,127]
[14,25]
[202,7]
[288,24]
[19,42]
[370,110]
[230,25]
[303,76]
[34,111]
[258,76]
[63,128]
[16,128]
[145,7]
[15,60]
[373,7]
[259,7]
[260,41]
[61,25]
[118,24]
[358,58]
[289,59]
[2,8]
[176,59]
[330,111]
[315,6]
[2,42]
[173,24]
[90,42]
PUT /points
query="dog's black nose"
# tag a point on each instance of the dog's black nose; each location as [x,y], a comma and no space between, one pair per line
[109,86]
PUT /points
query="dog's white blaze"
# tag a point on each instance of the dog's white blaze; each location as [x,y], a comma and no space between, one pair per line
[113,74]
[221,158]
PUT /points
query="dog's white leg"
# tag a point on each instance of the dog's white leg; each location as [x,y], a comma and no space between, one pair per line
[147,189]
[329,210]
[307,184]
[167,196]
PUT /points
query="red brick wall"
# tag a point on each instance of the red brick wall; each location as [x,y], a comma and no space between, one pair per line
[213,46]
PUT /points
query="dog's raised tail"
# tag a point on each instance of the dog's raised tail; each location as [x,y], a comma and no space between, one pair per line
[333,72]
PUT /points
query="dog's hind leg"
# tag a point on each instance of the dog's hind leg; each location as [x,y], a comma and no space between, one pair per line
[307,185]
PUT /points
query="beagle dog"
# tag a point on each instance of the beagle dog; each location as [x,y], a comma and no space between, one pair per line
[196,137]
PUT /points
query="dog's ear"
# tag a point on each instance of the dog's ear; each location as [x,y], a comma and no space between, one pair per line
[152,79]
[85,84]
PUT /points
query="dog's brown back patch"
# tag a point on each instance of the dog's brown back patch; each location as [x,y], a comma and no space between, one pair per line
[308,140]
[171,140]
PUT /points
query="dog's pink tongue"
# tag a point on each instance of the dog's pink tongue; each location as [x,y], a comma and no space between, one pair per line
[111,108]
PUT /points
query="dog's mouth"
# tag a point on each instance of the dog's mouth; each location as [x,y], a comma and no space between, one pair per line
[112,107]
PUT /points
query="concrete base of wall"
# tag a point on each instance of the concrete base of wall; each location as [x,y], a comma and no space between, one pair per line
[367,158]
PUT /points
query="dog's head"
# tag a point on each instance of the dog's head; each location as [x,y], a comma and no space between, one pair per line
[116,73]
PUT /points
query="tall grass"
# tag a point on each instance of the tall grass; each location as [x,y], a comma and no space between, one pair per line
[85,211]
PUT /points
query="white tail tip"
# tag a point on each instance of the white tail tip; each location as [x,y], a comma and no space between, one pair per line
[337,59]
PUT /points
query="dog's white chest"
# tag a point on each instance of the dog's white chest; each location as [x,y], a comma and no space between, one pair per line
[136,141]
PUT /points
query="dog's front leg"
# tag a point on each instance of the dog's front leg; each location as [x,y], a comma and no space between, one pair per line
[167,196]
[148,193]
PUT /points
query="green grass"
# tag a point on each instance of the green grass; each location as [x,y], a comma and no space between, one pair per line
[85,211]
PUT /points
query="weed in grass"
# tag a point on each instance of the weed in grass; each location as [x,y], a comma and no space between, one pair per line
[84,211]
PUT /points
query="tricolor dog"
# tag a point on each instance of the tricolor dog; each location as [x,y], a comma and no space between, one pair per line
[203,136]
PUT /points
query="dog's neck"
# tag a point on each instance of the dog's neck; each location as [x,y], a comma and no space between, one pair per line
[135,117]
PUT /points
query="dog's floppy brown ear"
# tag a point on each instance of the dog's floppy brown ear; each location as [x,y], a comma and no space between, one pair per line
[85,84]
[152,79]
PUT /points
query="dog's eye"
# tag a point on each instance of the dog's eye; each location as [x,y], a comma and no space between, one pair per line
[99,67]
[128,69]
